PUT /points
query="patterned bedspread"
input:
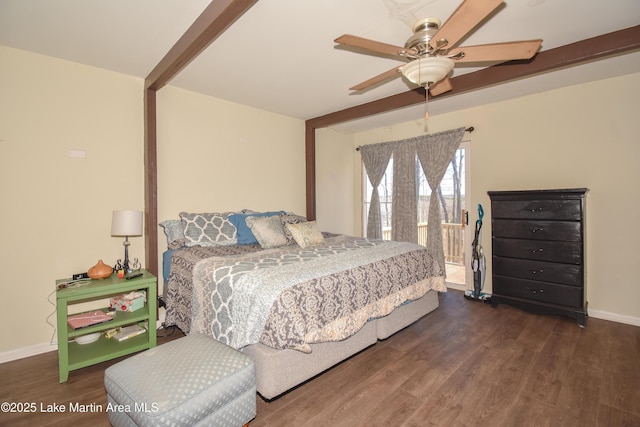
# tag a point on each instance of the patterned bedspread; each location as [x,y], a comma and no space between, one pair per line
[179,287]
[290,297]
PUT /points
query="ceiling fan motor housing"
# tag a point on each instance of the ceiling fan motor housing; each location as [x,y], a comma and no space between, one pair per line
[423,31]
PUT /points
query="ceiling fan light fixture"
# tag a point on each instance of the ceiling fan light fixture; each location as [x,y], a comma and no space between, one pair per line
[428,70]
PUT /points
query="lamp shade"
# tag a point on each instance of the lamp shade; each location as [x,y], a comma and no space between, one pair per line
[126,223]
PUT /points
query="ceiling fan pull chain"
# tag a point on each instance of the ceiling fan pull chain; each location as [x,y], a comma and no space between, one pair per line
[426,91]
[426,102]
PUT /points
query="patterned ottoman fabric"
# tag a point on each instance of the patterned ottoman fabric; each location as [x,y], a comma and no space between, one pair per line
[194,380]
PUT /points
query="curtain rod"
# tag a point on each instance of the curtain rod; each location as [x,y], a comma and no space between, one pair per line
[469,129]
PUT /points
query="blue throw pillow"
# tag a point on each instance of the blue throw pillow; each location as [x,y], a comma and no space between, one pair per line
[245,236]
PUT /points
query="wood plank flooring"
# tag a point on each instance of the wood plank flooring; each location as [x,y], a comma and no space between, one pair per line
[466,364]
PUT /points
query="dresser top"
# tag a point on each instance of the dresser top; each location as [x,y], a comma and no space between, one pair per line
[565,193]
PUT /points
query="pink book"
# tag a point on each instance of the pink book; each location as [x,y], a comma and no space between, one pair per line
[82,320]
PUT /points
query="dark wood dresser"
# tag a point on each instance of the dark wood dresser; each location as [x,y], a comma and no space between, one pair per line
[537,240]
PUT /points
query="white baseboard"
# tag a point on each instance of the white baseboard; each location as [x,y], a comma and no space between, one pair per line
[619,318]
[32,350]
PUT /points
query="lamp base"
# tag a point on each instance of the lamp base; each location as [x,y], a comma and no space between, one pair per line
[125,264]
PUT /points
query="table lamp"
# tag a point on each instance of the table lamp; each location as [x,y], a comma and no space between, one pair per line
[126,223]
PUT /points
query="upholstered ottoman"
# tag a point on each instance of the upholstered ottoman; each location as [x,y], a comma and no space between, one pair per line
[194,380]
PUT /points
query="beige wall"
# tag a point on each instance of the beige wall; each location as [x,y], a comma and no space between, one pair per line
[216,156]
[336,189]
[581,136]
[56,210]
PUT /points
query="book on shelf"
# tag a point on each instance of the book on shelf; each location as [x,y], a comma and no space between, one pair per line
[83,320]
[127,332]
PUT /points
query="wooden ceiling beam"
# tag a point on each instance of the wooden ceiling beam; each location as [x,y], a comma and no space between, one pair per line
[211,23]
[595,48]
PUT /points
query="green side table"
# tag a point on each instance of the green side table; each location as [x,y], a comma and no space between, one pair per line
[72,355]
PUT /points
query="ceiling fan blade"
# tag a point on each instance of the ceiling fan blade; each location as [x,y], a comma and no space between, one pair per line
[464,19]
[441,87]
[497,52]
[374,46]
[394,72]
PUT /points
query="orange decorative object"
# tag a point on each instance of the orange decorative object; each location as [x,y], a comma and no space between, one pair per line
[100,271]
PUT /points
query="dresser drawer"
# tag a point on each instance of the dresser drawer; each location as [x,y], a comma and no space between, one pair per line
[537,209]
[565,252]
[538,230]
[543,271]
[538,291]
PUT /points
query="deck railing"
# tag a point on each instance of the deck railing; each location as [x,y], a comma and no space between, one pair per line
[452,240]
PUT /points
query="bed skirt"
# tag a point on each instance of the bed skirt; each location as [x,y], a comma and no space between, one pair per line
[280,370]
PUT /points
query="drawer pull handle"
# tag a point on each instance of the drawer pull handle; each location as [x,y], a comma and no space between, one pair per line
[536,230]
[534,271]
[534,210]
[535,291]
[538,251]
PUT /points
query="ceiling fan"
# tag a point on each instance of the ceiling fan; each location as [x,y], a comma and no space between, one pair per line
[432,52]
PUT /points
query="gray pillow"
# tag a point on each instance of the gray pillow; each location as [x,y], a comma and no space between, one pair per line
[208,229]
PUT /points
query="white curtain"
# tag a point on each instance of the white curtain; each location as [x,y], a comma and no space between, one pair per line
[375,158]
[435,153]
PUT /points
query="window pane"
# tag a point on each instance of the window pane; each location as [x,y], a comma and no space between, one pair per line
[385,192]
[451,193]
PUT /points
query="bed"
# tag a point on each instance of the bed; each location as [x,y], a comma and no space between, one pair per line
[297,300]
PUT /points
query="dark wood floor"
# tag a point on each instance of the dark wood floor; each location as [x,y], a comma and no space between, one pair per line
[465,364]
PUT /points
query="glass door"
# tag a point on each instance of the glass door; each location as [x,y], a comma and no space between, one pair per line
[453,193]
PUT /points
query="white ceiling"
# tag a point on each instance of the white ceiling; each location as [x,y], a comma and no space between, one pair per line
[280,55]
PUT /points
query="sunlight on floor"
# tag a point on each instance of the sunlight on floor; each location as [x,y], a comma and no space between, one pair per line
[456,276]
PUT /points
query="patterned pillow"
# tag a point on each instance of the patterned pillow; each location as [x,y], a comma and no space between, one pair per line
[268,230]
[239,221]
[174,230]
[306,234]
[208,229]
[290,218]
